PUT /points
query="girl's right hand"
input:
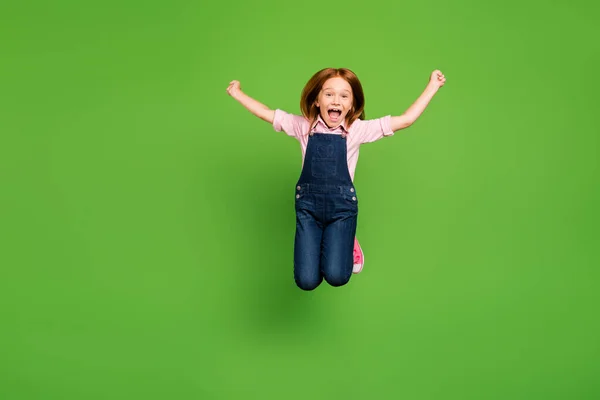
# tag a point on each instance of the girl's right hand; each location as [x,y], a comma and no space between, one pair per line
[234,88]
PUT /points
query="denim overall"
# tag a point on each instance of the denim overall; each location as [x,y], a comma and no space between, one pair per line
[326,214]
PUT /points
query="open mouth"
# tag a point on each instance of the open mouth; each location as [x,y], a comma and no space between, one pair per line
[334,113]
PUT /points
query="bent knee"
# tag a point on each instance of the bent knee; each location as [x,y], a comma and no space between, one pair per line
[308,283]
[337,279]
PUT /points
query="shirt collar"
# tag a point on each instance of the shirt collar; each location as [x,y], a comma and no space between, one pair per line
[320,120]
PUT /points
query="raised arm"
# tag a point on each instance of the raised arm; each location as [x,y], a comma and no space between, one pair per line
[260,110]
[405,120]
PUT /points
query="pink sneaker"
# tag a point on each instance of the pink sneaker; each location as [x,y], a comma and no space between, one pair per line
[359,258]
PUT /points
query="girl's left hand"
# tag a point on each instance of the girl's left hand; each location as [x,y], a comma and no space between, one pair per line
[437,79]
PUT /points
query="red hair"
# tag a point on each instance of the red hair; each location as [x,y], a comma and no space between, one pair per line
[315,84]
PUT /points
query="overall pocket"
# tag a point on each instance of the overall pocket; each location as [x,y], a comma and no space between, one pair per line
[323,167]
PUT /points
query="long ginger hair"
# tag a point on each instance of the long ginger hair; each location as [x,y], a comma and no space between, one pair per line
[315,84]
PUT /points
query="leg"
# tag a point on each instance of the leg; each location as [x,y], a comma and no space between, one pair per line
[337,257]
[307,250]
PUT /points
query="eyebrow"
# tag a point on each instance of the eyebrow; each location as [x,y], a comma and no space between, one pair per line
[330,88]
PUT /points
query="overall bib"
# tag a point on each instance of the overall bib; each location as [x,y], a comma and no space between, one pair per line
[326,214]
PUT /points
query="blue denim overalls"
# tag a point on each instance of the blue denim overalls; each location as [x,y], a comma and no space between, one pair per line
[326,214]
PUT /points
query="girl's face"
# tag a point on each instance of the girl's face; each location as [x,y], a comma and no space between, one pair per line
[334,101]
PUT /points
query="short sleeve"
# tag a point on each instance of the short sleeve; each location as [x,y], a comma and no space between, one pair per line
[372,130]
[291,124]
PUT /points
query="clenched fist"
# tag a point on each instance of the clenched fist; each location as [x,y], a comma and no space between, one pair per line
[437,79]
[234,88]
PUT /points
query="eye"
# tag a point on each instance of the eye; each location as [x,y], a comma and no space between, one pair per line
[345,96]
[328,94]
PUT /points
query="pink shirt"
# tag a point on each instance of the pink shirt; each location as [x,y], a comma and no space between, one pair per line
[359,132]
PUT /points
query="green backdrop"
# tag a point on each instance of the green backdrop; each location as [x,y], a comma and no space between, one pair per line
[147,219]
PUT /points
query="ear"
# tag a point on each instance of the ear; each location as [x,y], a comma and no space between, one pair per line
[317,103]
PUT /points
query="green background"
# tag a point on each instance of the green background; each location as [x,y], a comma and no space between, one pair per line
[147,219]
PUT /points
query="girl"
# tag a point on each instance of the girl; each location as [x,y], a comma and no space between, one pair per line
[331,129]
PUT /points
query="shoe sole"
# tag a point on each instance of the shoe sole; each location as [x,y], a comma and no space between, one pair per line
[361,265]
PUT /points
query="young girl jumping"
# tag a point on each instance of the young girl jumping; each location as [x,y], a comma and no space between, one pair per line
[331,129]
